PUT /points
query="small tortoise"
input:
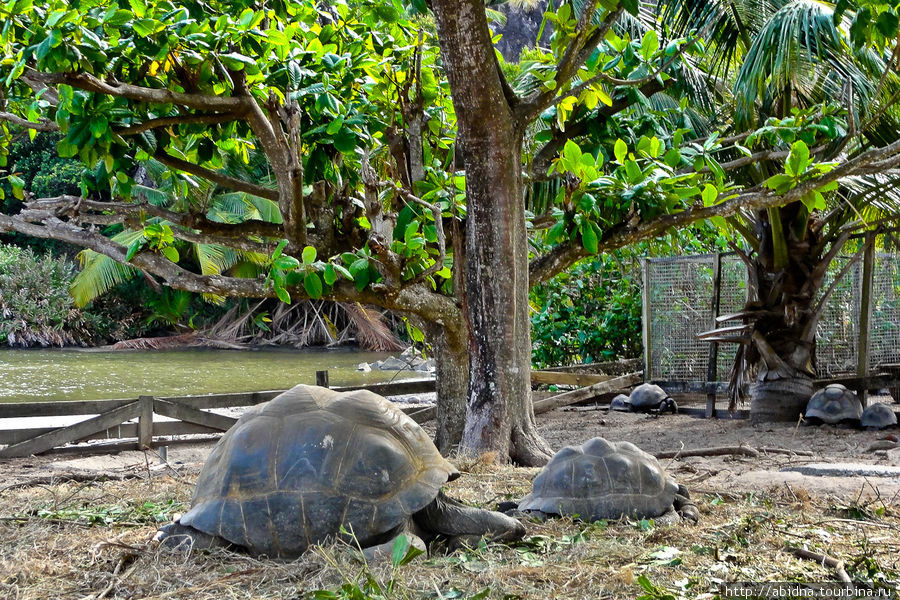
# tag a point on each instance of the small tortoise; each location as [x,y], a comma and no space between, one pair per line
[607,480]
[620,403]
[312,463]
[878,416]
[649,397]
[833,404]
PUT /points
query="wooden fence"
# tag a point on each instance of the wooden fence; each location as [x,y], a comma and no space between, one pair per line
[133,419]
[130,424]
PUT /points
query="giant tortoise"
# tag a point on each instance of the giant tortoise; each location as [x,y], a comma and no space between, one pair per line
[878,416]
[833,404]
[606,480]
[649,397]
[314,463]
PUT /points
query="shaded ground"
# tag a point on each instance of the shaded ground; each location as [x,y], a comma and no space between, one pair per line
[89,539]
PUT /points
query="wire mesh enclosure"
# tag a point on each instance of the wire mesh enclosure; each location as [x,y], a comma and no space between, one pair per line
[679,295]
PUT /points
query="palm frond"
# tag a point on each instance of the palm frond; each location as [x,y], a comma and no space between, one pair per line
[100,273]
[800,33]
[236,207]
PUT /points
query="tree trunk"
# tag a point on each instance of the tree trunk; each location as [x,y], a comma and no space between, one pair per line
[779,399]
[499,416]
[451,350]
[786,278]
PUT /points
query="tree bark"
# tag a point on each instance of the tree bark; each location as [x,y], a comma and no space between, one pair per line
[780,399]
[451,348]
[499,416]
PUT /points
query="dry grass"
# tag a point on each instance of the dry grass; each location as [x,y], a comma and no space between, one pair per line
[51,550]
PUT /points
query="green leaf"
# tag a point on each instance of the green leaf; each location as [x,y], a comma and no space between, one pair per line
[649,44]
[620,150]
[887,23]
[631,6]
[780,183]
[309,255]
[18,186]
[171,253]
[134,247]
[589,237]
[279,249]
[282,294]
[709,194]
[343,271]
[859,29]
[335,125]
[286,263]
[345,141]
[237,61]
[138,7]
[313,285]
[672,157]
[329,275]
[571,154]
[798,160]
[99,125]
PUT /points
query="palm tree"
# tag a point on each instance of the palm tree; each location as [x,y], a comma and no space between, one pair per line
[773,58]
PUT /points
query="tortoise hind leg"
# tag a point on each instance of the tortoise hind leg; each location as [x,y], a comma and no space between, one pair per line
[176,536]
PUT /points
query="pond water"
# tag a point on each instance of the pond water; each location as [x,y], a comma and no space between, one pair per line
[66,374]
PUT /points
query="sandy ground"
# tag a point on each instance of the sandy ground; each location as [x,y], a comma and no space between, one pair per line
[573,426]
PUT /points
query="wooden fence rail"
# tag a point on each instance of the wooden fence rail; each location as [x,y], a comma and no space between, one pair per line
[131,421]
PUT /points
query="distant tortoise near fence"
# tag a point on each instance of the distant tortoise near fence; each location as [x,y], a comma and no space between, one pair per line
[295,471]
[834,404]
[607,480]
[878,416]
[648,397]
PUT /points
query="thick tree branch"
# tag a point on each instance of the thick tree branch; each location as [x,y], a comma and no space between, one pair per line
[42,125]
[178,120]
[560,258]
[232,183]
[90,83]
[756,198]
[79,210]
[417,299]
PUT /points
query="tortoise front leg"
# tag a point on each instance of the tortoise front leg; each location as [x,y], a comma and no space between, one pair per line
[685,506]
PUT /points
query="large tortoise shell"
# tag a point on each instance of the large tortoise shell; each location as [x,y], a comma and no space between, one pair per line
[878,416]
[602,480]
[293,471]
[647,395]
[834,403]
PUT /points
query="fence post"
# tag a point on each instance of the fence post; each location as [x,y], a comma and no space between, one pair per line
[322,378]
[712,370]
[865,315]
[145,423]
[645,314]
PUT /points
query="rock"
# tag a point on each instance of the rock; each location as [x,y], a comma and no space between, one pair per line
[364,367]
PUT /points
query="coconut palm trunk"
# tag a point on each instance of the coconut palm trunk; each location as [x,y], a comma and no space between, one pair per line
[786,299]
